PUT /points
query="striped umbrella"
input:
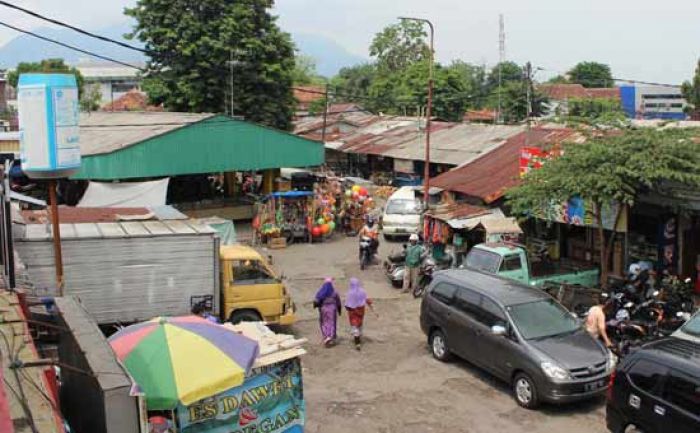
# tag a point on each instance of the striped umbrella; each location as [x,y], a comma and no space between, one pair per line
[183,359]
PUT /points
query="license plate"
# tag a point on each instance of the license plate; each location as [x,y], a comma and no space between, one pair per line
[594,385]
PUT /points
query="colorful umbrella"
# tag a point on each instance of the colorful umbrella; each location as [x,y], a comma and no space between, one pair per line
[183,359]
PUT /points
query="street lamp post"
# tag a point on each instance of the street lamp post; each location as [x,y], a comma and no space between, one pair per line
[426,174]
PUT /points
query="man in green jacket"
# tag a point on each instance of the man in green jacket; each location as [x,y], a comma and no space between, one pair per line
[414,256]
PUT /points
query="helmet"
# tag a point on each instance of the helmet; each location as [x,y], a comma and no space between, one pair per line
[413,237]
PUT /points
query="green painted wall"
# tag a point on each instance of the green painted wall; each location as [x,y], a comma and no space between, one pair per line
[213,145]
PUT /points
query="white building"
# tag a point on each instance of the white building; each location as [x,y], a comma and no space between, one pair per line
[113,81]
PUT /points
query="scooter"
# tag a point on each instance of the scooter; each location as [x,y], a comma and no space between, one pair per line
[366,252]
[395,267]
[425,276]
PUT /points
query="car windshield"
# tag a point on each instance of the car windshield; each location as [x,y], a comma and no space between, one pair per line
[403,207]
[483,260]
[542,319]
[692,326]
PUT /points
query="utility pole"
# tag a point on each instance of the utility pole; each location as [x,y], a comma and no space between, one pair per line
[528,100]
[230,73]
[325,115]
[429,111]
[501,59]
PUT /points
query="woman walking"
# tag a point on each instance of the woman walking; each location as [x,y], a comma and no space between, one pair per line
[328,303]
[355,304]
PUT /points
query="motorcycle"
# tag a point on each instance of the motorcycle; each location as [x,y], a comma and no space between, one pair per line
[395,266]
[425,276]
[366,252]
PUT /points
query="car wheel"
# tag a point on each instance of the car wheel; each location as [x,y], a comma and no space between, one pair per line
[525,392]
[244,316]
[438,346]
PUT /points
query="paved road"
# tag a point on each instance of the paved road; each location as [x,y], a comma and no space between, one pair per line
[393,384]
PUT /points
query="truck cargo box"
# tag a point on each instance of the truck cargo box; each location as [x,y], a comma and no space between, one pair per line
[125,272]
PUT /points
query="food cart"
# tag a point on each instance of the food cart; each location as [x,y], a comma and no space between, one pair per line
[286,215]
[271,399]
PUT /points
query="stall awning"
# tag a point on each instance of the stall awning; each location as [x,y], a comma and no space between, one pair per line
[497,225]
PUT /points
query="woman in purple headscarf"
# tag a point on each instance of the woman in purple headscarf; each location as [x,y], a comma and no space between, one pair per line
[355,304]
[328,303]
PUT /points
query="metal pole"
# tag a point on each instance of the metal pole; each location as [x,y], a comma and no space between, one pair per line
[426,186]
[429,111]
[8,241]
[325,116]
[231,81]
[58,257]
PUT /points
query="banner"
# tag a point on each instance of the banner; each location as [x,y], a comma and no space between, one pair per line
[270,401]
[578,212]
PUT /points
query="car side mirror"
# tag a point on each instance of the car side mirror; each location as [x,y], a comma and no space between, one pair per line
[499,330]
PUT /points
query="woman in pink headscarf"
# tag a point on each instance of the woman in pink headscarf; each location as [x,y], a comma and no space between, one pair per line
[355,304]
[328,303]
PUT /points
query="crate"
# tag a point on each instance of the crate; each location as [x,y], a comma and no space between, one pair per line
[277,243]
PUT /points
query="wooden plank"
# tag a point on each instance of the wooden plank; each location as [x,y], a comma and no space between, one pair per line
[180,227]
[157,228]
[135,229]
[86,230]
[111,230]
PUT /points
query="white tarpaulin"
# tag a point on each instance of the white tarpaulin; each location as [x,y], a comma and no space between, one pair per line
[127,194]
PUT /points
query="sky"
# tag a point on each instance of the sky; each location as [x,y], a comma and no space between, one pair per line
[647,40]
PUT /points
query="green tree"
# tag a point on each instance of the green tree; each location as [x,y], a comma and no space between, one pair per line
[591,74]
[691,91]
[596,111]
[509,72]
[558,79]
[45,66]
[613,169]
[352,84]
[190,47]
[399,46]
[305,71]
[91,99]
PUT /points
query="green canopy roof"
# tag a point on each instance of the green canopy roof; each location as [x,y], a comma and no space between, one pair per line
[140,145]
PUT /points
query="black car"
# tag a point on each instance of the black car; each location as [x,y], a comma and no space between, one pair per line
[518,333]
[657,389]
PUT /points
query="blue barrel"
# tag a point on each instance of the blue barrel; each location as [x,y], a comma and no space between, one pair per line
[49,114]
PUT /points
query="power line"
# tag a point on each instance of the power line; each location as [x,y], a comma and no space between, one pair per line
[76,29]
[53,41]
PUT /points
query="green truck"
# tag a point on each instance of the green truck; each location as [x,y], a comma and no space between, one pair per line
[511,261]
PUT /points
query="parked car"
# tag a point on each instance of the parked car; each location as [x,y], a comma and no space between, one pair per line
[402,213]
[657,389]
[518,333]
[690,330]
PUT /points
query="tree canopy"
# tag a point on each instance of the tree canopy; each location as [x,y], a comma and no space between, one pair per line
[691,90]
[45,66]
[191,46]
[591,74]
[305,71]
[399,46]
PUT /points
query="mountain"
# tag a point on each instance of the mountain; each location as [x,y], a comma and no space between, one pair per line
[26,48]
[329,55]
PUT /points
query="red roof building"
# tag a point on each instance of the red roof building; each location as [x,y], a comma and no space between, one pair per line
[485,115]
[489,176]
[563,92]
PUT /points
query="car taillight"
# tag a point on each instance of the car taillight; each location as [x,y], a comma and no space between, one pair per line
[610,385]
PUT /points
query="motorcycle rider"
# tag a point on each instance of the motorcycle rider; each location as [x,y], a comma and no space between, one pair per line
[371,230]
[414,257]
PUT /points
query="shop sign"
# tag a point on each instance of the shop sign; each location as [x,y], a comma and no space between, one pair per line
[531,158]
[579,212]
[270,401]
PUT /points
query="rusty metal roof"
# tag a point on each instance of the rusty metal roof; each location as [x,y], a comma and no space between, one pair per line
[487,177]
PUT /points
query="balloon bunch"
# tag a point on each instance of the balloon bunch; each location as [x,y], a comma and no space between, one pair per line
[358,194]
[324,225]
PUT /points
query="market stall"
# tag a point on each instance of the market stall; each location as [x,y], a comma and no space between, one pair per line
[284,215]
[452,229]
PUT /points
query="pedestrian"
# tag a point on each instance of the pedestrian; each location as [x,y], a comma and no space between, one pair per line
[414,256]
[329,308]
[595,322]
[355,303]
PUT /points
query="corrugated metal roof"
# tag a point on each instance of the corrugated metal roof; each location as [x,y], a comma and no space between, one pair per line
[76,215]
[41,232]
[105,132]
[170,144]
[488,176]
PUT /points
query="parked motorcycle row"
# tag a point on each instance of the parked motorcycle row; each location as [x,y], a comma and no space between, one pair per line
[395,269]
[639,313]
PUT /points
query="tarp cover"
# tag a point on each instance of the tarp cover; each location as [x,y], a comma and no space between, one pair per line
[225,229]
[127,194]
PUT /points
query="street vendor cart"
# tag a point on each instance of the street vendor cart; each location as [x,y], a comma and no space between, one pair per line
[286,215]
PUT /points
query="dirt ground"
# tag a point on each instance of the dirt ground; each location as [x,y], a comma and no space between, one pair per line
[393,384]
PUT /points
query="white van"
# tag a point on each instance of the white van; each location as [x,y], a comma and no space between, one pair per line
[401,213]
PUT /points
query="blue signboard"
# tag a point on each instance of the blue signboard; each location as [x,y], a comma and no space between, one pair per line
[48,123]
[270,401]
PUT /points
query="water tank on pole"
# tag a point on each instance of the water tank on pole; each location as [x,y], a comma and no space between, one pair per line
[48,123]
